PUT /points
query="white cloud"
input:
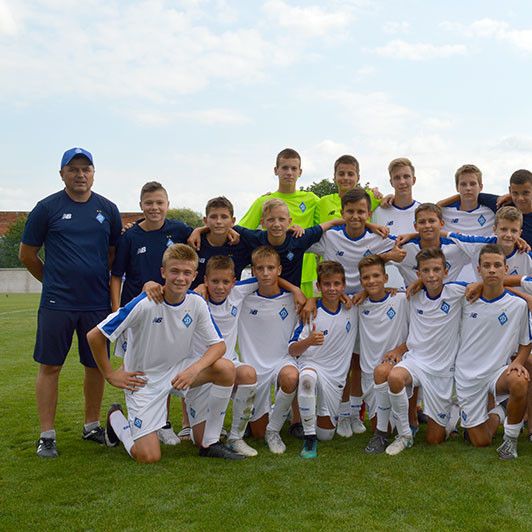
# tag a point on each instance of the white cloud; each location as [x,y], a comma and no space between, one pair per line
[514,143]
[8,25]
[399,49]
[212,116]
[502,31]
[394,27]
[438,123]
[365,72]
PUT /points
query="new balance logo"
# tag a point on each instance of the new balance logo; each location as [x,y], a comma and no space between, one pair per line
[389,223]
[473,315]
[455,220]
[340,253]
[365,312]
[157,320]
[253,312]
[326,332]
[141,250]
[66,216]
[419,311]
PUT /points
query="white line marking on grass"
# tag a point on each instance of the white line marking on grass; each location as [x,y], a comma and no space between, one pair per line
[14,312]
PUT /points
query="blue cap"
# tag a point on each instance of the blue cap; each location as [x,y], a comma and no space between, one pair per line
[74,152]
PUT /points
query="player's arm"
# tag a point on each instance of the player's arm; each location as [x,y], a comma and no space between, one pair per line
[298,347]
[518,363]
[115,289]
[127,380]
[396,254]
[395,355]
[331,223]
[378,229]
[299,297]
[29,256]
[111,254]
[448,201]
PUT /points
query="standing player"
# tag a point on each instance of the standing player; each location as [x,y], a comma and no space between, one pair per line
[79,230]
[158,360]
[494,328]
[324,354]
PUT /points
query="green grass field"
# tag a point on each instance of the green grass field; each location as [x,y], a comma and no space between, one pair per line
[90,487]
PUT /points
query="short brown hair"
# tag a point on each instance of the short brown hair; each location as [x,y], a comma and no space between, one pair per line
[263,252]
[468,169]
[491,248]
[180,252]
[521,177]
[371,260]
[401,161]
[271,204]
[330,267]
[220,202]
[220,262]
[354,195]
[431,207]
[347,159]
[152,186]
[509,213]
[428,254]
[287,153]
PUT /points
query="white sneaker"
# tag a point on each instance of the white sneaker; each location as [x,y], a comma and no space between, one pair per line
[343,428]
[241,447]
[274,442]
[357,425]
[185,433]
[399,444]
[167,436]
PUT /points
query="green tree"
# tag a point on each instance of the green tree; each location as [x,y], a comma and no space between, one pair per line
[321,188]
[187,216]
[9,244]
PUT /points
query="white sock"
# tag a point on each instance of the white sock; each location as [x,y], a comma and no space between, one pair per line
[384,407]
[91,425]
[512,431]
[399,402]
[306,397]
[280,410]
[48,434]
[344,411]
[216,406]
[355,404]
[242,408]
[324,434]
[122,429]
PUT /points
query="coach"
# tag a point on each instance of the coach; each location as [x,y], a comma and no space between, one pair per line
[79,230]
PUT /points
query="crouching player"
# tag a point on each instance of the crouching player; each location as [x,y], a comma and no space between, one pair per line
[323,352]
[158,360]
[435,315]
[494,328]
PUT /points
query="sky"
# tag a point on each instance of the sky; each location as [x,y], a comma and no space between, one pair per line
[201,95]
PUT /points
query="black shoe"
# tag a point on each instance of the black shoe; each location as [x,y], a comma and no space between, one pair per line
[421,417]
[296,430]
[111,439]
[219,450]
[466,436]
[97,435]
[46,448]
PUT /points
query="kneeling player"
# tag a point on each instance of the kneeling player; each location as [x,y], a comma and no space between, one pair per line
[324,351]
[158,360]
[435,314]
[494,328]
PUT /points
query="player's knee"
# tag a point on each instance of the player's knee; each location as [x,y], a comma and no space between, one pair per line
[49,371]
[381,372]
[435,438]
[517,385]
[395,381]
[288,379]
[246,375]
[479,439]
[148,456]
[225,372]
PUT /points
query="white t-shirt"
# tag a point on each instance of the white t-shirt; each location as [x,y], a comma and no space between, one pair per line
[264,330]
[337,245]
[382,326]
[454,256]
[526,284]
[333,357]
[159,336]
[479,221]
[492,331]
[225,315]
[434,329]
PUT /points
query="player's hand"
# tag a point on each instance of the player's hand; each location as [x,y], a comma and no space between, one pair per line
[414,288]
[154,291]
[392,358]
[232,237]
[397,253]
[299,300]
[297,230]
[126,380]
[359,297]
[202,290]
[403,239]
[129,225]
[519,368]
[309,310]
[391,290]
[522,245]
[473,291]
[380,230]
[186,378]
[316,337]
[194,240]
[377,194]
[346,300]
[502,200]
[387,201]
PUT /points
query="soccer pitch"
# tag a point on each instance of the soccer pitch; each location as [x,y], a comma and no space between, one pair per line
[90,487]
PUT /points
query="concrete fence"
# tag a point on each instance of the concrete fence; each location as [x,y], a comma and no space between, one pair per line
[18,280]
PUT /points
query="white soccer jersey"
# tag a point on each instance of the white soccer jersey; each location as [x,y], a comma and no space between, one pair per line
[337,245]
[526,284]
[382,326]
[479,221]
[225,315]
[160,335]
[332,359]
[264,330]
[518,263]
[455,258]
[491,332]
[434,329]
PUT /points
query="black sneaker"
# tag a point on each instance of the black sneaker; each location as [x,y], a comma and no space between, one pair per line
[111,439]
[377,444]
[296,430]
[219,450]
[47,448]
[97,435]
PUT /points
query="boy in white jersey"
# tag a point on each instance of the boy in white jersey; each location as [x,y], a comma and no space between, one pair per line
[383,328]
[158,360]
[435,314]
[507,229]
[323,350]
[494,328]
[265,326]
[398,216]
[348,244]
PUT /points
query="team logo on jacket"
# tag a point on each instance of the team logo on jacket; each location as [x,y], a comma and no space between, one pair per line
[503,318]
[445,307]
[348,326]
[234,311]
[187,320]
[481,220]
[289,255]
[390,313]
[302,207]
[100,217]
[137,422]
[283,313]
